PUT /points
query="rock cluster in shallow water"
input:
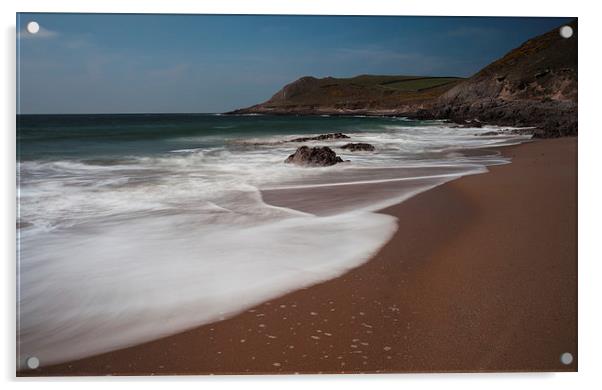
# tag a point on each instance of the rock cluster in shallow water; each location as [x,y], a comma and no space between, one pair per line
[316,157]
[323,137]
[358,147]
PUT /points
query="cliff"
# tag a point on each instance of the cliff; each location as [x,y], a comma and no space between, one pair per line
[533,85]
[365,94]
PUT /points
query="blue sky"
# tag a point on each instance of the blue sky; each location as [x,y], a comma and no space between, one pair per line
[111,63]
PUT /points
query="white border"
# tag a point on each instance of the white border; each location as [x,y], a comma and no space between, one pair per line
[590,196]
[324,7]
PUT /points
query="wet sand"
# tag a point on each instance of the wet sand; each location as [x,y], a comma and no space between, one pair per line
[480,276]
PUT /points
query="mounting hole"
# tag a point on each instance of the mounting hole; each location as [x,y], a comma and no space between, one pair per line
[566,358]
[33,362]
[33,27]
[566,31]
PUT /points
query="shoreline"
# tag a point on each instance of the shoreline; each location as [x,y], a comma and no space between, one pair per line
[480,276]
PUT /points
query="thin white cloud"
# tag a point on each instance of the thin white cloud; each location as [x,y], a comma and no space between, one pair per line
[43,33]
[375,54]
[172,72]
[413,62]
[76,43]
[379,60]
[473,32]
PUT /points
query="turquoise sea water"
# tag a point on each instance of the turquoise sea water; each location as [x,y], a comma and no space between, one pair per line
[99,136]
[132,227]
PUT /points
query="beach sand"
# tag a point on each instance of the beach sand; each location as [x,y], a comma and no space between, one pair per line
[480,276]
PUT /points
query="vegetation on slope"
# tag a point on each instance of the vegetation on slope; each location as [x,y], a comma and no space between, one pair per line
[364,92]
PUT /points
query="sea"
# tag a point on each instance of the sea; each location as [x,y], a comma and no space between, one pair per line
[135,227]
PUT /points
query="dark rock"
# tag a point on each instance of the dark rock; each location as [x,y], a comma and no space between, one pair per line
[316,156]
[488,133]
[464,124]
[521,131]
[358,147]
[323,137]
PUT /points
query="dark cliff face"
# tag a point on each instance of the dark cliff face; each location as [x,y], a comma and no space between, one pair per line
[532,85]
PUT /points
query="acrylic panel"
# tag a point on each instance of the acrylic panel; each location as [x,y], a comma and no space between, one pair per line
[254,194]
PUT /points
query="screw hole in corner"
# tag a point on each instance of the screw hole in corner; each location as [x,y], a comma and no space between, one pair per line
[33,27]
[566,358]
[32,362]
[566,32]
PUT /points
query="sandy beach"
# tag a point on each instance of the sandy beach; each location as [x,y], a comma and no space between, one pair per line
[481,275]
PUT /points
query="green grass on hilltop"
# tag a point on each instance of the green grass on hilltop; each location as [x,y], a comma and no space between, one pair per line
[398,83]
[364,91]
[419,84]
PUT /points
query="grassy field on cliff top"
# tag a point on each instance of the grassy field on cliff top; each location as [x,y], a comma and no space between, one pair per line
[374,91]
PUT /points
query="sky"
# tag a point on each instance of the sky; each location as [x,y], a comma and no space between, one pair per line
[118,63]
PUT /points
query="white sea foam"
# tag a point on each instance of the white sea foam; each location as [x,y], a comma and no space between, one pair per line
[123,283]
[118,253]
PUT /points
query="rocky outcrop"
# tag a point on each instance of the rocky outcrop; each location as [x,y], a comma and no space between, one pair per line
[533,85]
[357,147]
[314,157]
[488,133]
[465,124]
[323,137]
